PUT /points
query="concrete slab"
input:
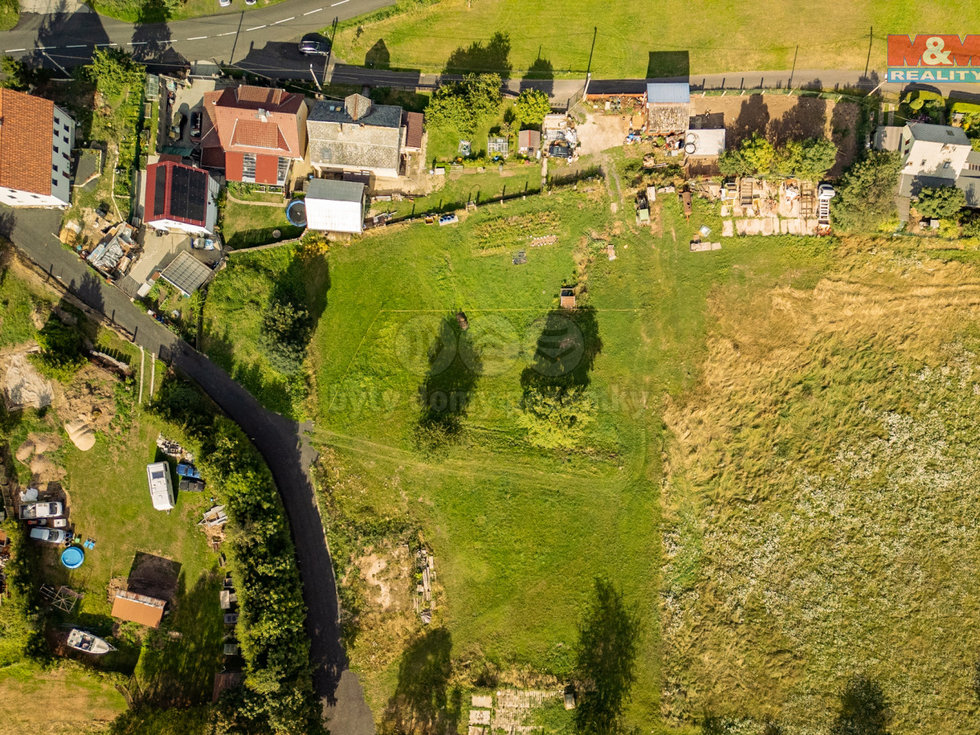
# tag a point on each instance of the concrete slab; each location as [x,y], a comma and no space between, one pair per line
[727,228]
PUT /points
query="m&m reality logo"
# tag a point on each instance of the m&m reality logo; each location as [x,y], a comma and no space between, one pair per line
[934,58]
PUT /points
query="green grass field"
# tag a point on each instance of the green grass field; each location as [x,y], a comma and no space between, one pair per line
[662,38]
[244,225]
[107,501]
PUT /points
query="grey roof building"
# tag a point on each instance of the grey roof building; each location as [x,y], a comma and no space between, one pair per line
[356,135]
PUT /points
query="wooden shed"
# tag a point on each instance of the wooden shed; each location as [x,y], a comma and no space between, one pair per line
[566,297]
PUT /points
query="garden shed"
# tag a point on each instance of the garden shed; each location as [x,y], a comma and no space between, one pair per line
[335,206]
[136,608]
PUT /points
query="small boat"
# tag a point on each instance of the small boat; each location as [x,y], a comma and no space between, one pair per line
[81,640]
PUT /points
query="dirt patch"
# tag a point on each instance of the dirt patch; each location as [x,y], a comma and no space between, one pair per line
[90,397]
[388,576]
[154,576]
[600,132]
[782,117]
[23,385]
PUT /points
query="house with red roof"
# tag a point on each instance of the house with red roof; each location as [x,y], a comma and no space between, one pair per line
[36,140]
[253,134]
[180,197]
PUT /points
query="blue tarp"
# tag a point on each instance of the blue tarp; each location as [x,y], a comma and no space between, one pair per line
[188,470]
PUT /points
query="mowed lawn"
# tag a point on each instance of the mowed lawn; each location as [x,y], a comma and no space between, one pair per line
[519,533]
[717,35]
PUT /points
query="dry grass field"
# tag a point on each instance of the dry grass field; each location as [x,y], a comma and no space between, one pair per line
[820,515]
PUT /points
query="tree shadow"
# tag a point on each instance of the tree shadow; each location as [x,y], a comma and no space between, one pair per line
[806,119]
[753,117]
[378,56]
[63,24]
[90,291]
[863,709]
[539,76]
[669,65]
[152,38]
[841,131]
[423,701]
[565,350]
[177,665]
[455,366]
[491,56]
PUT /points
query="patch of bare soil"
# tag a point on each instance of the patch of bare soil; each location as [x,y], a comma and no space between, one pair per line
[388,619]
[23,385]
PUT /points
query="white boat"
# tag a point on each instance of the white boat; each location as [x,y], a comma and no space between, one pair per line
[80,640]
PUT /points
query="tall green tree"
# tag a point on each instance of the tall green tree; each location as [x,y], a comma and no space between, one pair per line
[530,108]
[807,159]
[606,660]
[941,202]
[866,193]
[465,105]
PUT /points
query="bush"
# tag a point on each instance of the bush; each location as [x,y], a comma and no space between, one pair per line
[556,416]
[530,108]
[756,156]
[285,334]
[61,353]
[942,202]
[465,105]
[866,194]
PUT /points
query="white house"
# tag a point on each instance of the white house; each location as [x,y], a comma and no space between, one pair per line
[36,141]
[335,206]
[161,487]
[936,156]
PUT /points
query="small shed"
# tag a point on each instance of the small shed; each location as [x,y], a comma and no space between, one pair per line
[186,273]
[335,206]
[136,608]
[668,107]
[529,143]
[566,297]
[161,486]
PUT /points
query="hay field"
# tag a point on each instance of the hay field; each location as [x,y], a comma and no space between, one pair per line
[820,517]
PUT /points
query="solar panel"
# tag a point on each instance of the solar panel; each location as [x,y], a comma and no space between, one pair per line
[188,193]
[160,192]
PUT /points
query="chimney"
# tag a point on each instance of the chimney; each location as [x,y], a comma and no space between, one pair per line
[357,106]
[262,115]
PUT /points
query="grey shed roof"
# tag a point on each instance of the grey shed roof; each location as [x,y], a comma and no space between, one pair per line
[910,186]
[939,133]
[186,273]
[335,191]
[672,93]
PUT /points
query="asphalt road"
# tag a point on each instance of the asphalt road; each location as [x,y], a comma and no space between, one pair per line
[262,40]
[283,444]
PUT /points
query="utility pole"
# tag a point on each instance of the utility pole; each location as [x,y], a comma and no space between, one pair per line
[315,80]
[793,72]
[588,70]
[63,70]
[231,60]
[326,60]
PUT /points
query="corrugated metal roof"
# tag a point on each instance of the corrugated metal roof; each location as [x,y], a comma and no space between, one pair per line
[336,191]
[670,93]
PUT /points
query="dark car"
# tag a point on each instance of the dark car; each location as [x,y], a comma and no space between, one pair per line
[313,44]
[196,124]
[177,128]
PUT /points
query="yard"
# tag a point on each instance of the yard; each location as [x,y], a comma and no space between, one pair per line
[713,37]
[252,222]
[105,492]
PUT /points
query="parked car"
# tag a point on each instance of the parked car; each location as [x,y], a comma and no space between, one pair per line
[50,535]
[177,129]
[224,3]
[196,124]
[313,44]
[31,511]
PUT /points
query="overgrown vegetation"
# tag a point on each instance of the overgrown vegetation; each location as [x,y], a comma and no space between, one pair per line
[465,105]
[942,202]
[62,350]
[278,695]
[756,156]
[865,200]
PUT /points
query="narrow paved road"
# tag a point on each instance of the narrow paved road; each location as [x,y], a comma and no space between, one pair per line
[282,443]
[262,40]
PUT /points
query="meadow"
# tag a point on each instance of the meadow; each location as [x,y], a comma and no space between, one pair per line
[715,36]
[106,496]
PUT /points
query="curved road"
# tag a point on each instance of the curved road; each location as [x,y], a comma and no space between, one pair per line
[281,442]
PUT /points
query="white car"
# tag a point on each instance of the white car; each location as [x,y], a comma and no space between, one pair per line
[32,511]
[826,191]
[51,535]
[224,3]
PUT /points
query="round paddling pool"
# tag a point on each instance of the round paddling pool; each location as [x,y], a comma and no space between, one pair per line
[296,213]
[72,557]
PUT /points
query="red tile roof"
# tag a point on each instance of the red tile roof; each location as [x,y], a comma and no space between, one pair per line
[25,142]
[253,120]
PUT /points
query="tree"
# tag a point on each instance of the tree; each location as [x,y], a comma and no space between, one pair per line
[606,660]
[863,710]
[15,73]
[807,159]
[530,108]
[866,194]
[941,202]
[113,70]
[285,333]
[555,416]
[755,156]
[465,105]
